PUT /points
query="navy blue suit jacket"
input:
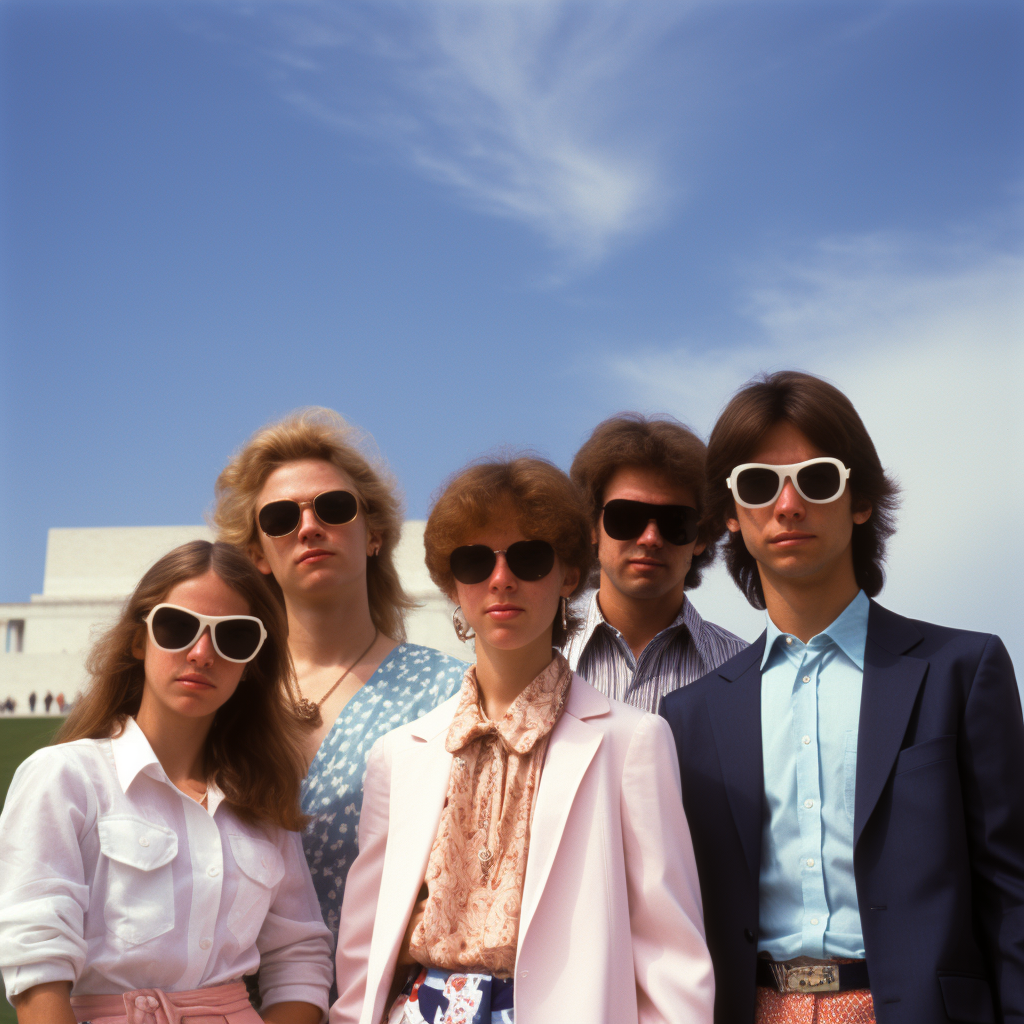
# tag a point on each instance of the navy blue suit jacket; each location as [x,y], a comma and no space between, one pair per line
[938,822]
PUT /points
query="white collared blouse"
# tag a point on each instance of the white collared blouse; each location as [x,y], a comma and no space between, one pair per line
[113,879]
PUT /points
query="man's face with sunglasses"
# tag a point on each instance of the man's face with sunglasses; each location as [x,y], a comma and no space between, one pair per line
[797,521]
[646,535]
[312,533]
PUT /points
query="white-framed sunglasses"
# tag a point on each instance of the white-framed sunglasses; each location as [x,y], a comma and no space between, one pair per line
[758,484]
[236,638]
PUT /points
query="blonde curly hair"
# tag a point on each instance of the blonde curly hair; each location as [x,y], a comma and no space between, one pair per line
[319,433]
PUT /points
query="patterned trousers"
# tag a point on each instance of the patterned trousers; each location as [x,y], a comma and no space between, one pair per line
[853,1007]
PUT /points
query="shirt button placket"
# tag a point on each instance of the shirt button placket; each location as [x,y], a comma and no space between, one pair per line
[207,880]
[808,807]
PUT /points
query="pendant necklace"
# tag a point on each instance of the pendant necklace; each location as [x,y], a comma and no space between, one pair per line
[310,712]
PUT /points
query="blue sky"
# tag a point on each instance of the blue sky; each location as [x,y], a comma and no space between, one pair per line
[465,223]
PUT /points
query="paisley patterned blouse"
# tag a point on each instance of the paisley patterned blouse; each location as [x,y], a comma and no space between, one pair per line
[411,681]
[478,861]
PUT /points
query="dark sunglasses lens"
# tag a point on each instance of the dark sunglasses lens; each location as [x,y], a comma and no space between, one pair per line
[472,563]
[279,518]
[677,523]
[174,629]
[757,486]
[624,520]
[530,560]
[820,481]
[237,638]
[335,507]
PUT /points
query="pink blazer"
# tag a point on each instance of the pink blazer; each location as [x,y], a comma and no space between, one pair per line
[611,927]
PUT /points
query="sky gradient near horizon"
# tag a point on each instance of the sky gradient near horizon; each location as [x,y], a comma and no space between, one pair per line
[474,223]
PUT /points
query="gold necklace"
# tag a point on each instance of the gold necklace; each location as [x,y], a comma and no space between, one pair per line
[310,712]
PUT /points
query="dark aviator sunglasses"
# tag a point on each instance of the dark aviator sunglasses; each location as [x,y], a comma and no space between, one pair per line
[528,560]
[332,508]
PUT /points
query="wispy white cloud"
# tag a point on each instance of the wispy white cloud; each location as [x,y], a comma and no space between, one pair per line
[928,342]
[528,108]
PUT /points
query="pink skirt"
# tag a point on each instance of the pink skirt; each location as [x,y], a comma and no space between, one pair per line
[219,1004]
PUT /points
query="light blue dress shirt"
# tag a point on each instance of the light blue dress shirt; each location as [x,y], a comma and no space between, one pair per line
[810,712]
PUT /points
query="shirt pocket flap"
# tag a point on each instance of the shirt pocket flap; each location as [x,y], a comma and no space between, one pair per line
[137,843]
[941,748]
[257,859]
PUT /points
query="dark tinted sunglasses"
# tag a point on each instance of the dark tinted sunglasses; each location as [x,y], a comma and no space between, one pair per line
[235,637]
[332,508]
[626,520]
[528,560]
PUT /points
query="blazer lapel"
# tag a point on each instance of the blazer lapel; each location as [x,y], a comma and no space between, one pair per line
[891,684]
[419,786]
[570,750]
[734,707]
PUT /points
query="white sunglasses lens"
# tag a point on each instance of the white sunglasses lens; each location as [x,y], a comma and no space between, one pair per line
[238,638]
[757,486]
[819,481]
[174,629]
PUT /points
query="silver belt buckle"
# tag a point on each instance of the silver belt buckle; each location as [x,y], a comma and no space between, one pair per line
[806,978]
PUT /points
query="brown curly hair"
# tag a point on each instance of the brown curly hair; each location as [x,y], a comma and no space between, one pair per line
[530,492]
[827,418]
[660,443]
[318,433]
[253,747]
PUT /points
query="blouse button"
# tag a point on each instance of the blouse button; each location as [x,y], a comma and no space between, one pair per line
[484,855]
[205,943]
[143,840]
[212,871]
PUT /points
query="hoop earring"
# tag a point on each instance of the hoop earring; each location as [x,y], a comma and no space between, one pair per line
[462,628]
[565,624]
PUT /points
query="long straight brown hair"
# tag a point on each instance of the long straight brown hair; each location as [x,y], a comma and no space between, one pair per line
[253,748]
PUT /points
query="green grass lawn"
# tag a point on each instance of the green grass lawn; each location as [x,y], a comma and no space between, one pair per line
[18,738]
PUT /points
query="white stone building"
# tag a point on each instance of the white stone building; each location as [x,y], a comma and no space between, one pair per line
[90,572]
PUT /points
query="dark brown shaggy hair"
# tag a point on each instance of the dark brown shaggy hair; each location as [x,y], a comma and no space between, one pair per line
[660,443]
[827,418]
[530,492]
[318,433]
[253,748]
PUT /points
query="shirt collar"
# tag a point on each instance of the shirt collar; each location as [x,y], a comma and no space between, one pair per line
[849,632]
[687,617]
[531,715]
[133,754]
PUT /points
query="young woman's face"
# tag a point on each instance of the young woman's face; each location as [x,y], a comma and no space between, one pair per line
[195,682]
[508,613]
[317,558]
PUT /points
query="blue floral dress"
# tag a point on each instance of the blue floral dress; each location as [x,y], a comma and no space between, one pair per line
[411,681]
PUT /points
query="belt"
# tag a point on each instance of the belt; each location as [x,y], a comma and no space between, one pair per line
[809,976]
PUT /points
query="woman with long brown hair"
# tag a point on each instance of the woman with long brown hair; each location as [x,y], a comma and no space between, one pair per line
[321,519]
[151,856]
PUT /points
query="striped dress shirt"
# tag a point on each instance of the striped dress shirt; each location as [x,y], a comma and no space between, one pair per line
[686,650]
